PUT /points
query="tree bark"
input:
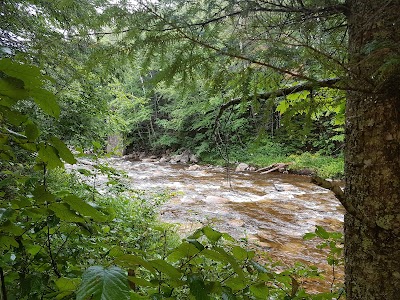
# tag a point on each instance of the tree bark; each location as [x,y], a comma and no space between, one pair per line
[372,155]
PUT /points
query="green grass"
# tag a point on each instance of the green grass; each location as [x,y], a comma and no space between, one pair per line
[270,153]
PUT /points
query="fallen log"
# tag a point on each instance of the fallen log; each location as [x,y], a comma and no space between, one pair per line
[273,167]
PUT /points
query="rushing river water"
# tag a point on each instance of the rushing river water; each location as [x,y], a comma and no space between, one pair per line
[272,210]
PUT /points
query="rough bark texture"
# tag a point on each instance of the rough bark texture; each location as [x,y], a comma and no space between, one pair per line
[372,237]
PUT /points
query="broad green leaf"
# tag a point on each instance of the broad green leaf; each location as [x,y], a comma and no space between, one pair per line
[228,237]
[84,208]
[196,243]
[5,213]
[166,268]
[13,88]
[282,106]
[31,131]
[7,241]
[140,281]
[103,284]
[259,291]
[298,96]
[321,232]
[197,287]
[184,250]
[11,228]
[67,284]
[232,261]
[46,101]
[214,255]
[49,155]
[63,150]
[41,195]
[116,251]
[14,117]
[239,253]
[211,234]
[236,283]
[33,249]
[29,74]
[309,236]
[197,234]
[63,212]
[132,261]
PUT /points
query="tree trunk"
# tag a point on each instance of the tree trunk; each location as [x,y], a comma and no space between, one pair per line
[372,168]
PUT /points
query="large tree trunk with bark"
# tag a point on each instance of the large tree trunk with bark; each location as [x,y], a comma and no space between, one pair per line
[372,227]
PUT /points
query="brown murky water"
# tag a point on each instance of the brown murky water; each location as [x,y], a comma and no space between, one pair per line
[272,211]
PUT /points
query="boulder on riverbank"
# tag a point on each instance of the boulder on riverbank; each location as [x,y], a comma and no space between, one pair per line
[242,167]
[184,158]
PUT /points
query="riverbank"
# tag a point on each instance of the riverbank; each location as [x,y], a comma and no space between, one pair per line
[301,164]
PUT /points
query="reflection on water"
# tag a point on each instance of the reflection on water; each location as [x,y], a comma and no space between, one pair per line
[273,210]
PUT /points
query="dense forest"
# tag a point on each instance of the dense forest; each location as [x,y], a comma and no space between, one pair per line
[309,83]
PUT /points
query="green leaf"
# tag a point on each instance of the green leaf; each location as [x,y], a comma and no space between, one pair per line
[33,249]
[236,283]
[49,155]
[131,261]
[84,208]
[13,88]
[232,261]
[239,253]
[197,287]
[298,96]
[46,101]
[116,251]
[63,212]
[259,267]
[140,281]
[103,284]
[166,268]
[184,250]
[67,284]
[260,290]
[14,117]
[197,234]
[41,195]
[31,131]
[211,234]
[11,228]
[321,232]
[5,213]
[214,255]
[196,243]
[282,107]
[7,241]
[63,150]
[309,236]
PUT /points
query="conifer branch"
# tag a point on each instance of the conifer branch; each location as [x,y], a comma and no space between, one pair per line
[308,86]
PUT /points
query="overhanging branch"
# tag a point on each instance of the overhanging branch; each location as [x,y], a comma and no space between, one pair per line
[308,86]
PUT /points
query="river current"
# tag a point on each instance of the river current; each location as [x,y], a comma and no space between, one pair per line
[272,211]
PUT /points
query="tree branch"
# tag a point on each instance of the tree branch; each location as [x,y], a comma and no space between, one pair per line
[308,86]
[3,285]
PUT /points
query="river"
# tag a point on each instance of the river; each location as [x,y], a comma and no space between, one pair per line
[272,211]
